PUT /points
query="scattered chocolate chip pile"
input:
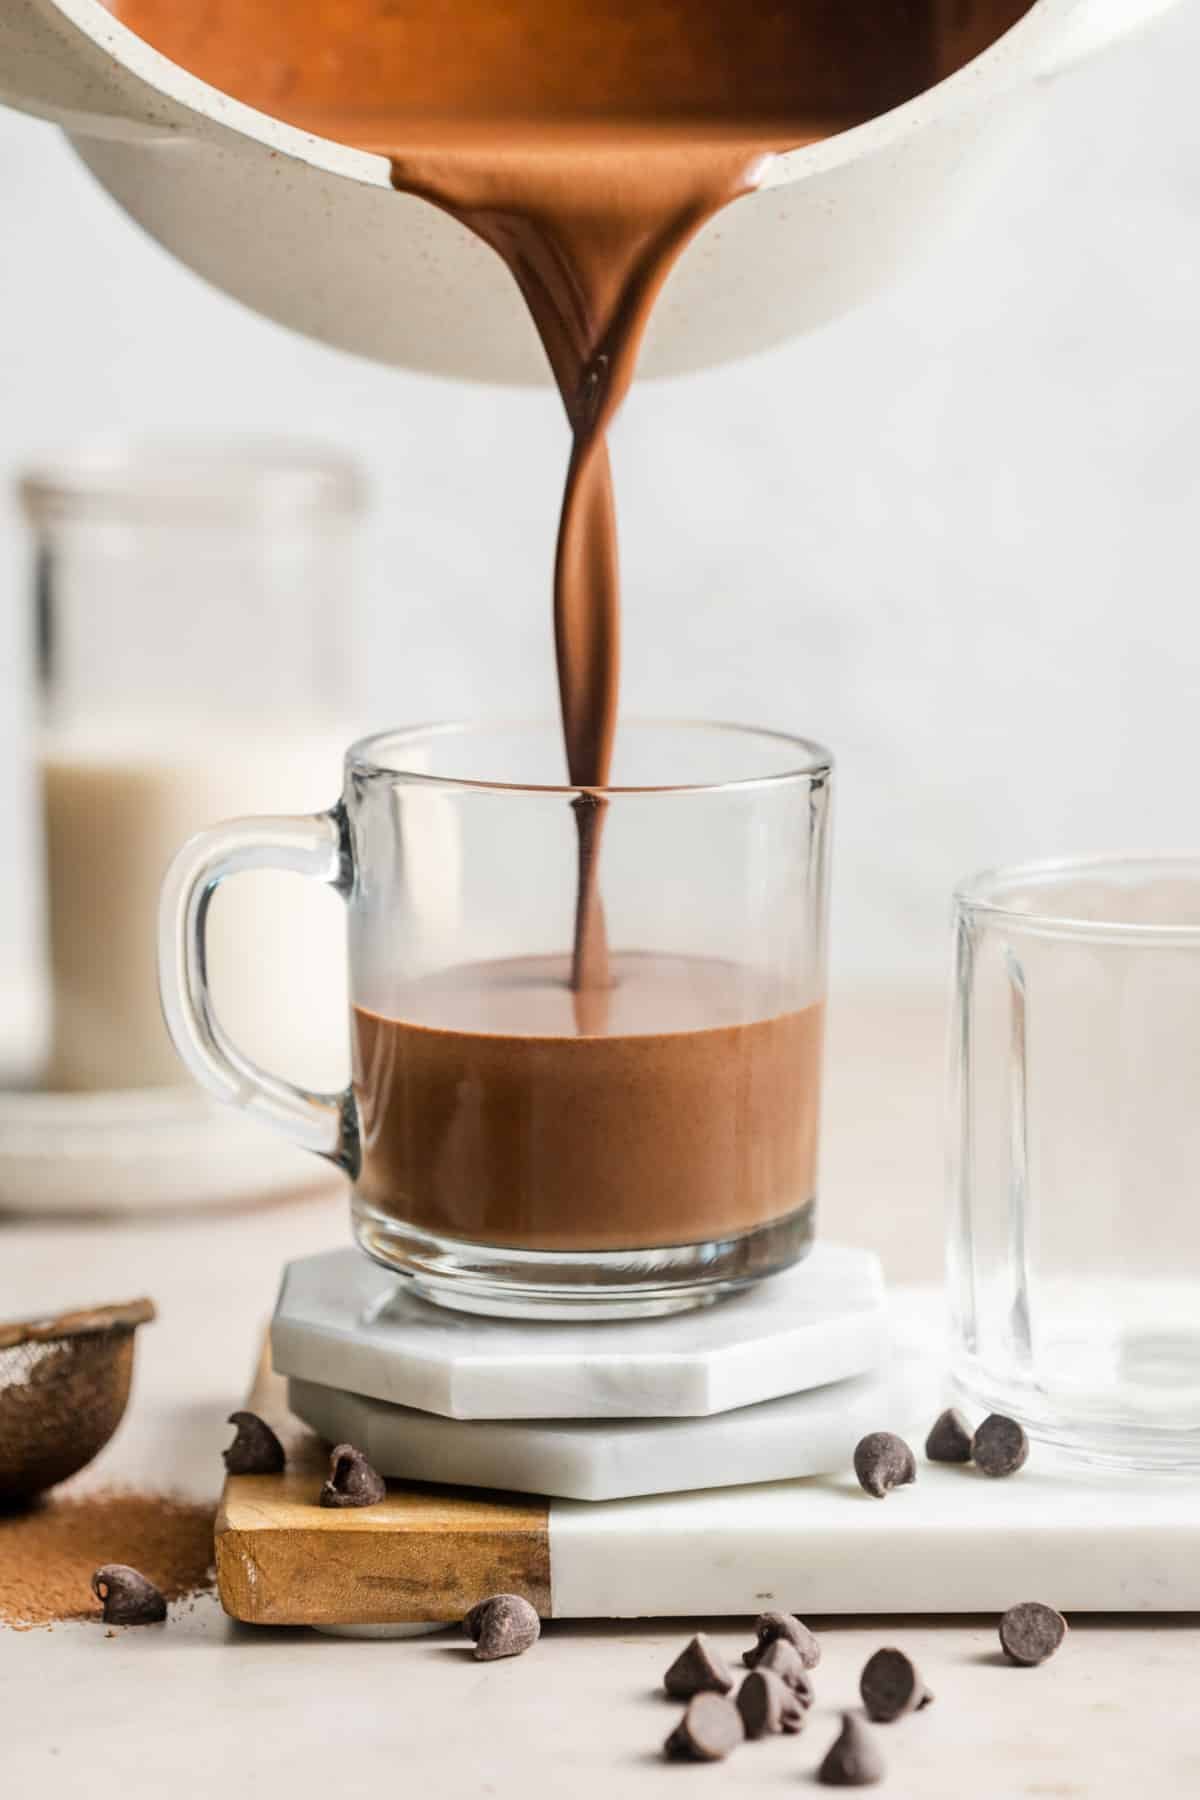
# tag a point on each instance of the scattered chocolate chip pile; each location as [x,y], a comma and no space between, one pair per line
[52,1551]
[255,1450]
[504,1625]
[352,1481]
[882,1462]
[775,1696]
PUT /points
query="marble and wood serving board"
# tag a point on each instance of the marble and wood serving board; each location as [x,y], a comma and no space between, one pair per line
[1083,1540]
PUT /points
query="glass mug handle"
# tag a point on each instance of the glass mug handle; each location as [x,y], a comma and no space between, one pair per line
[316,844]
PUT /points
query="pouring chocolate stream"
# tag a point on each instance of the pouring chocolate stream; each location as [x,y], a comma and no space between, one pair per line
[589,233]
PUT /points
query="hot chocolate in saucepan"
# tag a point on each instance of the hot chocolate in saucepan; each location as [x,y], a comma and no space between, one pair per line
[587,142]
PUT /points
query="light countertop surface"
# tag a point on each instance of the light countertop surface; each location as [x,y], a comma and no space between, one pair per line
[206,1708]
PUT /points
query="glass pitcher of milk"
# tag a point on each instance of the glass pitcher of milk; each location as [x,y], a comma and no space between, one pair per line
[191,616]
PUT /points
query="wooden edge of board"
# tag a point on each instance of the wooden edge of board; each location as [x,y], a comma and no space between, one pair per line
[424,1554]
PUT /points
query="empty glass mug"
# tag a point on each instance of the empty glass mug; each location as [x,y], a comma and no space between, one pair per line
[1074,1261]
[526,1134]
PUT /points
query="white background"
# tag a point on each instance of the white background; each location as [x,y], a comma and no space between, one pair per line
[954,535]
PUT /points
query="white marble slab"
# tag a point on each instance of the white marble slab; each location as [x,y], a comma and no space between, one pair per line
[606,1459]
[1083,1539]
[345,1323]
[956,1542]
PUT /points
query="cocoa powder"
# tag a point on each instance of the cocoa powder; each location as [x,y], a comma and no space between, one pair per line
[48,1553]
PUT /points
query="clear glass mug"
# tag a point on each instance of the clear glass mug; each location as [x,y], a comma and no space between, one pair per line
[1074,1245]
[514,1147]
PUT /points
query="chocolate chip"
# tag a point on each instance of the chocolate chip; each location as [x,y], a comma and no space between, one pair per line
[504,1625]
[783,1659]
[882,1462]
[1000,1446]
[255,1450]
[852,1760]
[771,1626]
[709,1729]
[698,1669]
[352,1480]
[767,1704]
[891,1687]
[1031,1632]
[127,1597]
[950,1439]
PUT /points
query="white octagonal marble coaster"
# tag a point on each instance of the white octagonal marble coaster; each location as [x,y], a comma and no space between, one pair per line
[343,1322]
[617,1459]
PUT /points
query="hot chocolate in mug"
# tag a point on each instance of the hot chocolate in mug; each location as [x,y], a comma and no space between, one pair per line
[531,1129]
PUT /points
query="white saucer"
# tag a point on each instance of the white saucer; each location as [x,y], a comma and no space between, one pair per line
[141,1150]
[345,1323]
